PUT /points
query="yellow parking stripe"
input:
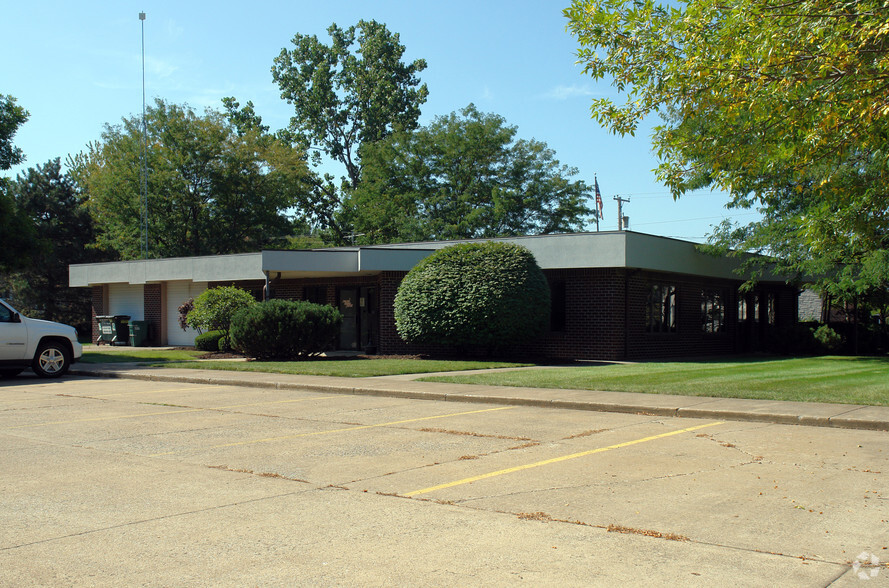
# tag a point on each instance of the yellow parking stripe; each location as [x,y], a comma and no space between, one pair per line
[556,460]
[343,430]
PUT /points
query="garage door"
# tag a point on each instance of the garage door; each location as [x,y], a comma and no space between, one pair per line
[126,299]
[177,293]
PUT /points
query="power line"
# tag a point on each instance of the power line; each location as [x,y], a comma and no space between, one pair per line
[647,195]
[683,220]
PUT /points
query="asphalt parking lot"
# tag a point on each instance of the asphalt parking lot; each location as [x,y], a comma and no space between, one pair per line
[120,482]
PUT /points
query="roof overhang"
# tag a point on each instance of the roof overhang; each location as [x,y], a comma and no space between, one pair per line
[340,262]
[613,249]
[211,268]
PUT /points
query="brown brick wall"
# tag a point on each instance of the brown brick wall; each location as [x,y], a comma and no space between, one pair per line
[253,286]
[689,339]
[98,309]
[604,315]
[390,342]
[594,326]
[153,308]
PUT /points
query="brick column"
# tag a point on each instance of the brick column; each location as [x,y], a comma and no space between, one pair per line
[98,309]
[153,311]
[389,341]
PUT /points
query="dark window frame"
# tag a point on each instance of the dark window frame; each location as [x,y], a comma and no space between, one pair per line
[713,311]
[316,294]
[661,309]
[558,316]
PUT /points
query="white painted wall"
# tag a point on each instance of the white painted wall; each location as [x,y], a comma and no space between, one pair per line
[126,299]
[177,293]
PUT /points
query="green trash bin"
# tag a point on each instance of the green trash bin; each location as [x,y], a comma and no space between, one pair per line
[120,327]
[106,330]
[138,333]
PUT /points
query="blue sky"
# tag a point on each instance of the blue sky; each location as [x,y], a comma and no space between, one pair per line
[77,66]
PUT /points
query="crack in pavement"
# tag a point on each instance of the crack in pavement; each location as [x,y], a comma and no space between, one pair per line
[544,518]
[153,519]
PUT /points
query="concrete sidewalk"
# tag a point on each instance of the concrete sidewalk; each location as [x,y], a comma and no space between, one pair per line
[847,416]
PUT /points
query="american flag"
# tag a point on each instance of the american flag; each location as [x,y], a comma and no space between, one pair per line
[598,197]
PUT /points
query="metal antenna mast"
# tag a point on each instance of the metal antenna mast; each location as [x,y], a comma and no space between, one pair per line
[144,183]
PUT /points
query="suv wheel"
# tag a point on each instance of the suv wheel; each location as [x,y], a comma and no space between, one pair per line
[10,373]
[52,360]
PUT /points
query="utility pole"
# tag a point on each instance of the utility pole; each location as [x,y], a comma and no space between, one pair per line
[622,221]
[143,220]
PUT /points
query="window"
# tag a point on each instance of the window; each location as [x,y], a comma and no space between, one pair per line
[770,308]
[712,312]
[660,309]
[558,310]
[316,294]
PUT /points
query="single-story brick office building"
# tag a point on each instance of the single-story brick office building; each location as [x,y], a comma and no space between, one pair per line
[615,295]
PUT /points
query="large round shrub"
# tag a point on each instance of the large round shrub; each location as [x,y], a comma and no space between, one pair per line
[285,329]
[214,308]
[485,294]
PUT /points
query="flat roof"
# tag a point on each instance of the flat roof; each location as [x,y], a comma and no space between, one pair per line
[608,249]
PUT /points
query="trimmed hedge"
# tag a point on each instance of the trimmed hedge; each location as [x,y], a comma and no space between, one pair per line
[209,341]
[487,294]
[285,329]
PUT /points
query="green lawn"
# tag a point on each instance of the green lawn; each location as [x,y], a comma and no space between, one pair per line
[96,354]
[850,380]
[348,368]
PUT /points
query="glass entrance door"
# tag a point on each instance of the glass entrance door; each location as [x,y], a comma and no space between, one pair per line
[368,322]
[348,305]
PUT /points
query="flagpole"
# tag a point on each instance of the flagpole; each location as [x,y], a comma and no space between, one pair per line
[143,184]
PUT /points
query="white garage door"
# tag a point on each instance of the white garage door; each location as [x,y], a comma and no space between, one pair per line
[126,299]
[177,293]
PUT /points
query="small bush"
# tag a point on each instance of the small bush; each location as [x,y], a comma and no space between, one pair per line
[486,294]
[214,309]
[285,329]
[208,341]
[828,339]
[185,308]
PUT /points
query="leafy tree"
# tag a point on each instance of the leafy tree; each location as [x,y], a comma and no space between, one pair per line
[12,116]
[486,294]
[49,200]
[217,183]
[214,308]
[352,92]
[16,232]
[463,176]
[783,104]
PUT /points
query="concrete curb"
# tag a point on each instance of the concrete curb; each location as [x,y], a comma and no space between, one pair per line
[845,416]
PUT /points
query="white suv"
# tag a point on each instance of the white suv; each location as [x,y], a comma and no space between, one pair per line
[47,348]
